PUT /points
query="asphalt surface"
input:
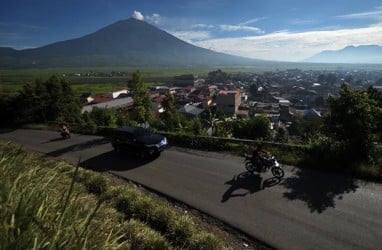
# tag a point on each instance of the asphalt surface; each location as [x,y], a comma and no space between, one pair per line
[308,209]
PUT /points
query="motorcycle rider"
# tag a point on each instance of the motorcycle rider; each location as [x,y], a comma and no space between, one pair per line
[259,155]
[64,130]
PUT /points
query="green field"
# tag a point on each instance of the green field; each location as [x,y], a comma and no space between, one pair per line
[25,75]
[12,80]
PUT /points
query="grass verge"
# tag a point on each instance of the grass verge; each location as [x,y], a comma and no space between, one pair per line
[47,204]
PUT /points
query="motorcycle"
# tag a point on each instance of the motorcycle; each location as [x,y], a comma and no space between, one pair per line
[262,165]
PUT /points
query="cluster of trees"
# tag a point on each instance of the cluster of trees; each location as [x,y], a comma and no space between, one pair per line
[327,79]
[351,133]
[355,123]
[52,100]
[219,76]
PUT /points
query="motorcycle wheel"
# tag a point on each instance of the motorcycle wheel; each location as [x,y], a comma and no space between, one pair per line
[277,172]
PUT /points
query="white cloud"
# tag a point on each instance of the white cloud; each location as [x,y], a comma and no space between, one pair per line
[301,22]
[374,15]
[240,27]
[254,20]
[203,26]
[138,15]
[289,46]
[192,36]
[154,18]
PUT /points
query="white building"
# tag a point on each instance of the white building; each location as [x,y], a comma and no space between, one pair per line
[115,94]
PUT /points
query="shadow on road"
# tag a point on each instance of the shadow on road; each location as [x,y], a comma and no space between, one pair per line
[76,147]
[6,130]
[250,183]
[113,161]
[318,189]
[53,140]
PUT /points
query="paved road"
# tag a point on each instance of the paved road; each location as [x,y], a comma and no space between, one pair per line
[306,210]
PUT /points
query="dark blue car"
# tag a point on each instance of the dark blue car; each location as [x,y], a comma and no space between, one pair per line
[138,141]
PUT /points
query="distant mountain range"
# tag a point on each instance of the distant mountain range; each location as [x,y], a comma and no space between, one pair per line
[125,43]
[350,54]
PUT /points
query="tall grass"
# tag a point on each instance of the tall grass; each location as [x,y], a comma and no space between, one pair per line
[47,204]
[42,209]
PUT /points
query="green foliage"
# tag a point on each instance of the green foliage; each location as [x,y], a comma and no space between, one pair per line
[102,117]
[99,118]
[306,128]
[171,119]
[219,123]
[217,76]
[328,79]
[253,89]
[43,101]
[136,82]
[142,110]
[354,120]
[282,134]
[197,127]
[327,152]
[89,125]
[197,142]
[256,128]
[122,119]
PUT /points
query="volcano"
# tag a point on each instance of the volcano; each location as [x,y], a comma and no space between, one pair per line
[129,42]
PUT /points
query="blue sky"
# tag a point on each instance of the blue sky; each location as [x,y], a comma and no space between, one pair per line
[284,30]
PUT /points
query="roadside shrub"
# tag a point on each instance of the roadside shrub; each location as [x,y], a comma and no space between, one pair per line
[88,127]
[127,202]
[326,151]
[143,207]
[181,230]
[96,184]
[196,142]
[161,217]
[291,155]
[142,237]
[113,193]
[376,155]
[135,205]
[368,171]
[205,241]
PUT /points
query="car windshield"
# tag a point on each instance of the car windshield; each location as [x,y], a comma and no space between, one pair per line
[141,132]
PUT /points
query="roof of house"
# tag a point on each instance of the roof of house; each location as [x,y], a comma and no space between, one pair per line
[101,99]
[227,92]
[309,113]
[115,103]
[190,109]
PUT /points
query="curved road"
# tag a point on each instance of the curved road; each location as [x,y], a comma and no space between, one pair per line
[308,209]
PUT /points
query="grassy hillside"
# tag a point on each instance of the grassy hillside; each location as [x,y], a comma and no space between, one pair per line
[46,204]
